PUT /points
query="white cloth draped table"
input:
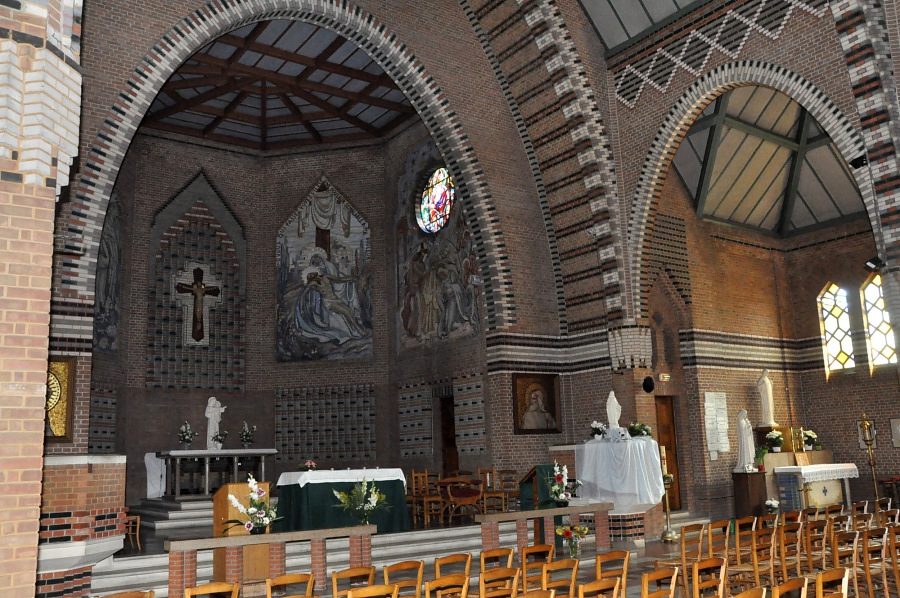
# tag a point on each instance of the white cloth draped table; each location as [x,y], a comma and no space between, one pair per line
[322,476]
[627,473]
[156,475]
[820,473]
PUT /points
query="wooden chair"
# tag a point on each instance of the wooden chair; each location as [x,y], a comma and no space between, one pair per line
[374,591]
[405,575]
[717,538]
[533,559]
[743,534]
[815,540]
[664,580]
[353,577]
[499,582]
[862,521]
[460,494]
[893,554]
[496,557]
[412,497]
[798,585]
[708,577]
[882,504]
[769,520]
[751,593]
[827,580]
[493,498]
[442,565]
[844,552]
[838,523]
[809,514]
[790,550]
[601,588]
[612,565]
[132,594]
[762,561]
[432,501]
[691,549]
[860,506]
[538,594]
[509,485]
[887,517]
[215,587]
[291,579]
[872,564]
[133,530]
[560,576]
[448,586]
[790,517]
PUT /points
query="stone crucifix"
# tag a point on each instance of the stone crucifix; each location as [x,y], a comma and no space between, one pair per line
[199,291]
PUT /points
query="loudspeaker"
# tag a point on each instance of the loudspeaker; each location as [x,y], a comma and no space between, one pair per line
[648,384]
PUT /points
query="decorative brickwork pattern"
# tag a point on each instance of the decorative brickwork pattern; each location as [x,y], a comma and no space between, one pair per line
[667,252]
[102,426]
[386,48]
[71,583]
[707,348]
[329,424]
[533,353]
[468,406]
[416,420]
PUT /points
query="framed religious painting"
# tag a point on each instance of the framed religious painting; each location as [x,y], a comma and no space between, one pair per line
[536,404]
[60,401]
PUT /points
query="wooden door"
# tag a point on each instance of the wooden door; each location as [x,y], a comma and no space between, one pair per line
[666,435]
[449,452]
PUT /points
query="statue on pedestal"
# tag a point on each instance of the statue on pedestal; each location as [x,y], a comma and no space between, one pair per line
[613,413]
[746,450]
[214,410]
[766,401]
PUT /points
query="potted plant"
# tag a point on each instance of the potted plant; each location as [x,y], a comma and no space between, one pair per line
[810,440]
[772,505]
[219,438]
[186,435]
[638,430]
[246,434]
[761,452]
[598,429]
[774,440]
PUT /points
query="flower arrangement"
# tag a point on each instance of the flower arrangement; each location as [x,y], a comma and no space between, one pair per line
[775,439]
[259,514]
[598,429]
[246,434]
[572,535]
[638,429]
[310,465]
[561,487]
[810,438]
[760,457]
[362,501]
[220,436]
[186,434]
[772,505]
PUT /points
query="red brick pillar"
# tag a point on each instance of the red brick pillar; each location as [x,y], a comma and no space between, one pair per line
[601,526]
[490,535]
[360,551]
[318,563]
[549,530]
[182,572]
[521,534]
[234,564]
[276,559]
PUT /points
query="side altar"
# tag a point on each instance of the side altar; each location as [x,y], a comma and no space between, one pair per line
[228,462]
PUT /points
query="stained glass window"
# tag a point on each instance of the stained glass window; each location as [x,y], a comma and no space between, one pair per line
[879,333]
[834,315]
[437,200]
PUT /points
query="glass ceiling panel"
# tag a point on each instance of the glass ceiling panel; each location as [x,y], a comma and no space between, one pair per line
[622,21]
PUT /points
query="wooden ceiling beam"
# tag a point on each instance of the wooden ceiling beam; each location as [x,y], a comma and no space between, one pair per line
[228,112]
[186,103]
[356,122]
[249,119]
[289,103]
[222,138]
[263,114]
[194,82]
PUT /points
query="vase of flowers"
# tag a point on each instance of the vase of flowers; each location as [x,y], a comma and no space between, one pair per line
[638,430]
[572,536]
[362,501]
[309,465]
[246,434]
[774,440]
[186,435]
[598,429]
[219,439]
[257,511]
[772,506]
[562,489]
[810,440]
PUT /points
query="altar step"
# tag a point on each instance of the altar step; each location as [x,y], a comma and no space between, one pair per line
[166,515]
[151,572]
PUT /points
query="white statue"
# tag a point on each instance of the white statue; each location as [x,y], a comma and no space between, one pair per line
[213,414]
[766,405]
[746,453]
[613,410]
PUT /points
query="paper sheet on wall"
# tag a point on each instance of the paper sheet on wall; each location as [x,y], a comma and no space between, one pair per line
[716,421]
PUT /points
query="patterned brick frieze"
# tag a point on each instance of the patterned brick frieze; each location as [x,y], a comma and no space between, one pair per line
[468,409]
[708,348]
[415,418]
[102,163]
[534,353]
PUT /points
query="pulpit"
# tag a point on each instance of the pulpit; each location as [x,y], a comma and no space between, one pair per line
[255,557]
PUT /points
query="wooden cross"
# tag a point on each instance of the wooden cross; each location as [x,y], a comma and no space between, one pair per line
[199,290]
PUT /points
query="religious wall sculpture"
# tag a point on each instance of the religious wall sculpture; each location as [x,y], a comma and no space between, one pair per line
[108,279]
[439,293]
[324,280]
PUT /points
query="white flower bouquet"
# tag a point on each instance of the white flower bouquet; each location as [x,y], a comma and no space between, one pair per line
[598,429]
[186,434]
[258,512]
[774,439]
[246,433]
[362,500]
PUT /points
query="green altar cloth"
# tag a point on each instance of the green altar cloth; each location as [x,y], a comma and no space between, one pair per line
[314,506]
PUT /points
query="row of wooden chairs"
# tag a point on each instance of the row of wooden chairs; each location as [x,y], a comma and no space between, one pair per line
[430,497]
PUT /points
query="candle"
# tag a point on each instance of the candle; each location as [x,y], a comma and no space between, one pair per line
[662,458]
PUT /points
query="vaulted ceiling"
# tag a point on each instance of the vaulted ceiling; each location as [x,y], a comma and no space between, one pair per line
[756,158]
[279,84]
[621,22]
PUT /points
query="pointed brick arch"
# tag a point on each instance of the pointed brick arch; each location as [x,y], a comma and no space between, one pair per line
[105,156]
[688,108]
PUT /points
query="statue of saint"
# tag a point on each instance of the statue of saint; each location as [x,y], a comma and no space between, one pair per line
[746,453]
[766,404]
[613,410]
[214,410]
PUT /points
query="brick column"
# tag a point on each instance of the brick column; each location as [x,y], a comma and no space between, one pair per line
[234,564]
[549,530]
[601,527]
[490,535]
[276,559]
[521,534]
[182,572]
[318,563]
[360,551]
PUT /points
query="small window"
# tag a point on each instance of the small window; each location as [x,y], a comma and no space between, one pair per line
[834,316]
[436,202]
[879,333]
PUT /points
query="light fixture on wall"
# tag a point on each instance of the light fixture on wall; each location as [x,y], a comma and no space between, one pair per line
[665,377]
[874,264]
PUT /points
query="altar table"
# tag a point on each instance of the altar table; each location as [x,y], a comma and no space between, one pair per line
[801,486]
[306,499]
[173,460]
[627,473]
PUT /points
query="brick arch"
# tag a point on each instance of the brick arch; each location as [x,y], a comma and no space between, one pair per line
[686,111]
[105,156]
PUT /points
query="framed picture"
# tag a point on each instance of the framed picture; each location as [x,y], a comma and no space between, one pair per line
[895,432]
[59,404]
[536,403]
[859,431]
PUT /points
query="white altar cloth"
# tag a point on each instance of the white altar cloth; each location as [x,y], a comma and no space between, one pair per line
[156,475]
[322,476]
[625,473]
[820,473]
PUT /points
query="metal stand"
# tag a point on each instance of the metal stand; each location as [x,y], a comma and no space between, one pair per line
[869,439]
[668,535]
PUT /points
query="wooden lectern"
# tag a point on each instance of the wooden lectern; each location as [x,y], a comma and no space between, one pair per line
[256,558]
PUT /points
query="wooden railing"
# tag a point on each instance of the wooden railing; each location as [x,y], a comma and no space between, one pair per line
[183,554]
[543,519]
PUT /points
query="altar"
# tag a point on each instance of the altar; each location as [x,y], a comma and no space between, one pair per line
[802,486]
[306,499]
[627,473]
[230,462]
